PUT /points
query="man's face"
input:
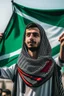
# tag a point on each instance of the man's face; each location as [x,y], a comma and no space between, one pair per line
[4,94]
[32,38]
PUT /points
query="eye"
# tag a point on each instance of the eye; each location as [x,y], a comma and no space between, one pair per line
[35,34]
[28,34]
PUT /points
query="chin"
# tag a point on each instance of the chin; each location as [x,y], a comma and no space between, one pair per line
[33,49]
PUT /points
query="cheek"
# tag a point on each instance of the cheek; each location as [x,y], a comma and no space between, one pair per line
[26,40]
[38,40]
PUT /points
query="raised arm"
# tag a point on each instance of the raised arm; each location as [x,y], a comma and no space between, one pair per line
[7,72]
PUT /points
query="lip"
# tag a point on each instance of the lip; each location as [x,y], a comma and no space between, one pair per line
[30,42]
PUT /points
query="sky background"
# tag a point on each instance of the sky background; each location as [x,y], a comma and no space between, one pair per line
[6,8]
[5,13]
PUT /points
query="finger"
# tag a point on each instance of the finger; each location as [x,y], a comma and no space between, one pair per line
[61,36]
[62,40]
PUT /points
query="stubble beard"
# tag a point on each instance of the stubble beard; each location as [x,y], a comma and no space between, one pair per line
[33,49]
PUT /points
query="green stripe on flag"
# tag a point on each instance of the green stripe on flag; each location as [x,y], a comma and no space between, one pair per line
[53,17]
[9,61]
[55,50]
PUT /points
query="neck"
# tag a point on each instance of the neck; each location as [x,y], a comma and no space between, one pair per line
[32,54]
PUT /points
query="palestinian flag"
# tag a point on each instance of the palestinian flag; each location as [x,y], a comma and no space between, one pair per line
[51,20]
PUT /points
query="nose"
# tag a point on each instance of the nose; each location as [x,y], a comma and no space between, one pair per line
[31,35]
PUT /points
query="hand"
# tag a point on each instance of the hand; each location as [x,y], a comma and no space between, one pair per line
[61,39]
[1,35]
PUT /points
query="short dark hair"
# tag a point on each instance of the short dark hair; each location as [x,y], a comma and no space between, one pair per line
[7,91]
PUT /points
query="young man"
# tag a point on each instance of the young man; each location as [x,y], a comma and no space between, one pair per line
[6,92]
[36,73]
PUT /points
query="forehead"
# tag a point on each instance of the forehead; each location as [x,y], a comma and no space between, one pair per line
[34,29]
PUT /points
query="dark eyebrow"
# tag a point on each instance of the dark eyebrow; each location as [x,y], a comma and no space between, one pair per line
[33,32]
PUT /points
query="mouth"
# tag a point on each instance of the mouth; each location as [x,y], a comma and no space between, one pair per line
[32,42]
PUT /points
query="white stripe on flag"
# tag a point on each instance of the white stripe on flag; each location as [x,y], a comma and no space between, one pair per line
[10,54]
